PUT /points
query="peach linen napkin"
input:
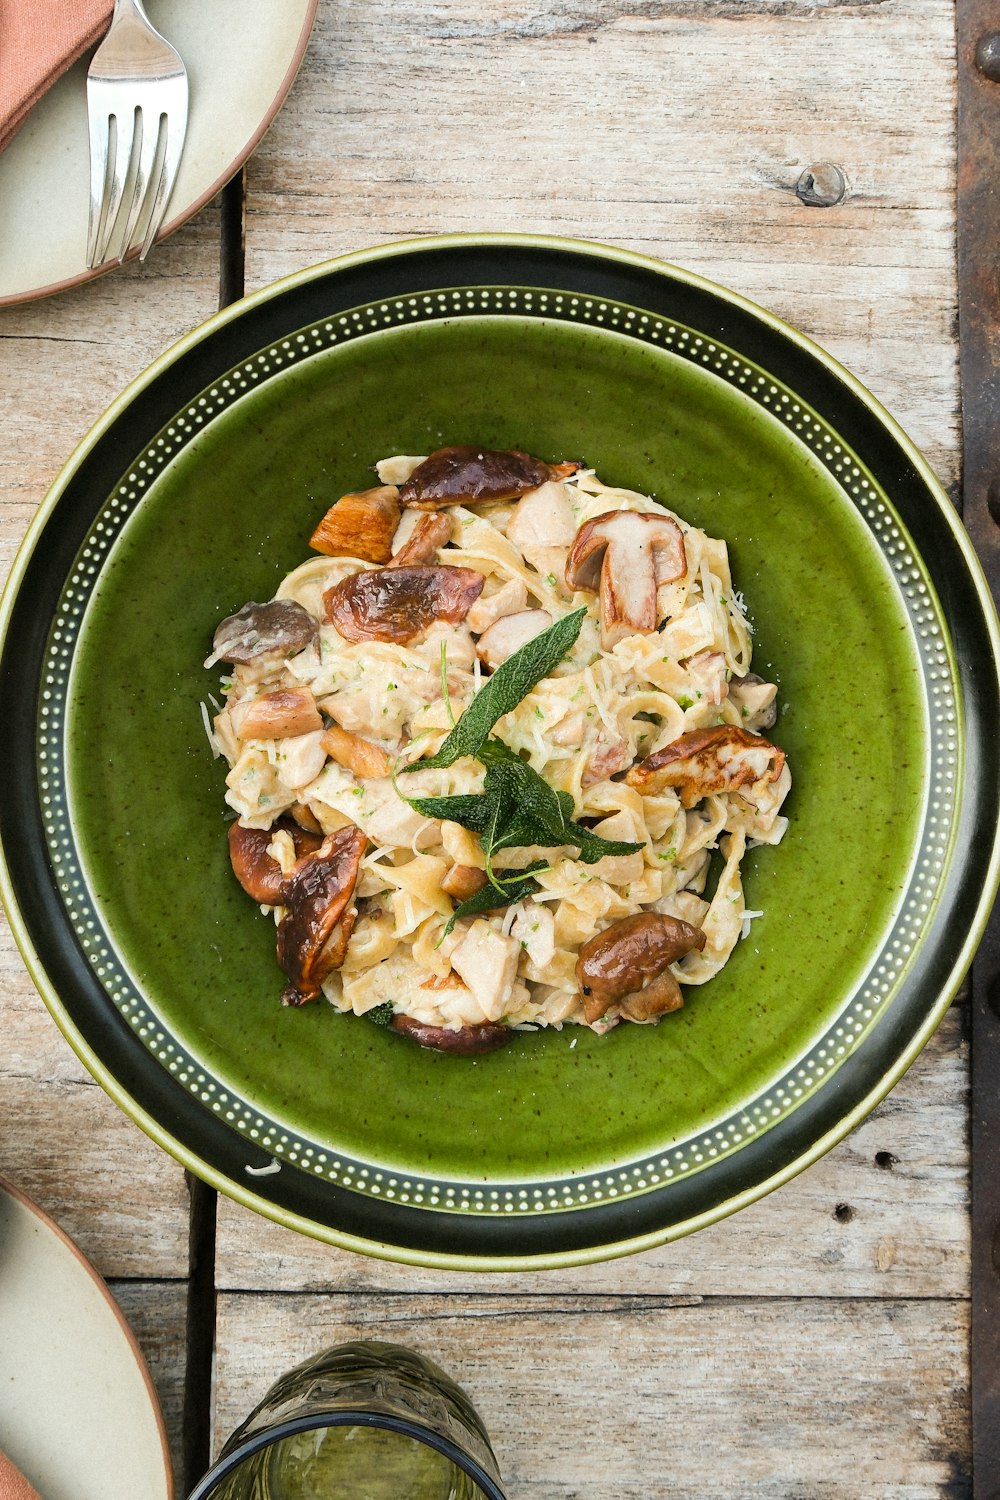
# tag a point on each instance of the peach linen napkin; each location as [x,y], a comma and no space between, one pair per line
[13,1485]
[38,42]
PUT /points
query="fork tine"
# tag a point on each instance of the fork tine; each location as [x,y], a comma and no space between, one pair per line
[141,189]
[100,131]
[119,172]
[174,128]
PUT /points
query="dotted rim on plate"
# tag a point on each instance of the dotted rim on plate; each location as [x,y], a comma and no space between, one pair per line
[886,969]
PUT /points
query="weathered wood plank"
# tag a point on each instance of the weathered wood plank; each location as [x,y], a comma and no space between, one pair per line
[883,1215]
[63,362]
[642,1397]
[64,1143]
[157,1314]
[676,130]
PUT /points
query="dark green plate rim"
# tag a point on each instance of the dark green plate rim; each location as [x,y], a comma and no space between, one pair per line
[606,286]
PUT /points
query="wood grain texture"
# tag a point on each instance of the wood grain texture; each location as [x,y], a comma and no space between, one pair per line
[62,1140]
[883,1215]
[157,1314]
[679,130]
[638,1397]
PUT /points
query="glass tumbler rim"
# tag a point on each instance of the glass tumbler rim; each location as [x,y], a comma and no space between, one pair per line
[227,1463]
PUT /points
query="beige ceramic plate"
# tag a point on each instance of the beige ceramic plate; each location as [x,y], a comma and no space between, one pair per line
[78,1412]
[241,57]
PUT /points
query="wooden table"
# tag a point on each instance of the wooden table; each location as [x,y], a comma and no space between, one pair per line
[815,1345]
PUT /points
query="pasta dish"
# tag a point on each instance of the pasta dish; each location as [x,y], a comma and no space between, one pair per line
[496,753]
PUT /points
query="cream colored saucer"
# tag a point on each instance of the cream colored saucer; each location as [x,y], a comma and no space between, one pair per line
[78,1412]
[241,57]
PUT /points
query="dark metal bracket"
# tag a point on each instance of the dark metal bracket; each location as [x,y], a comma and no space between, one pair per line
[978,41]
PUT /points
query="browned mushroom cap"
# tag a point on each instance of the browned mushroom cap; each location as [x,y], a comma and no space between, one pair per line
[396,604]
[626,555]
[361,524]
[313,933]
[618,962]
[465,1040]
[280,628]
[465,475]
[258,873]
[705,761]
[430,533]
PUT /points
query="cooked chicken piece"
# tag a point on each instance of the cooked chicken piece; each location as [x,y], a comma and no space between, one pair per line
[625,556]
[543,527]
[704,761]
[359,755]
[276,716]
[487,962]
[396,604]
[708,673]
[466,474]
[395,822]
[619,964]
[300,759]
[509,634]
[510,598]
[361,524]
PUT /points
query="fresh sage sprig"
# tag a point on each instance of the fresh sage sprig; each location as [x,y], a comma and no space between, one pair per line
[504,689]
[516,807]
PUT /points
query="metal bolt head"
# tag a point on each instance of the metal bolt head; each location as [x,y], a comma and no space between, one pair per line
[988,55]
[822,186]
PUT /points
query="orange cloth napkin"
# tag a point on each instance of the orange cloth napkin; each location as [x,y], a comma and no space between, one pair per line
[13,1485]
[38,42]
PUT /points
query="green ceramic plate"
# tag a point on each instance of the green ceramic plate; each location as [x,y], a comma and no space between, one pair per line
[199,489]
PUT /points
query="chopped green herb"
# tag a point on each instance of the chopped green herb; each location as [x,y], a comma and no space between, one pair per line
[685,702]
[382,1014]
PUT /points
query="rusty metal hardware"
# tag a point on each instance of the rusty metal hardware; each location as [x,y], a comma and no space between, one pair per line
[822,186]
[978,46]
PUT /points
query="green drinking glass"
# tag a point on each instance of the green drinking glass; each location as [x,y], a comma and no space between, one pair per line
[362,1421]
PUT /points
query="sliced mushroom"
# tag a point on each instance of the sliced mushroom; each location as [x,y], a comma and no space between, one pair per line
[396,604]
[704,761]
[509,634]
[620,964]
[360,756]
[277,716]
[463,881]
[466,474]
[280,628]
[258,872]
[468,1041]
[431,533]
[315,929]
[361,524]
[625,555]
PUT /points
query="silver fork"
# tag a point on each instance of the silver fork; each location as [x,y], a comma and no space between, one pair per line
[137,100]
